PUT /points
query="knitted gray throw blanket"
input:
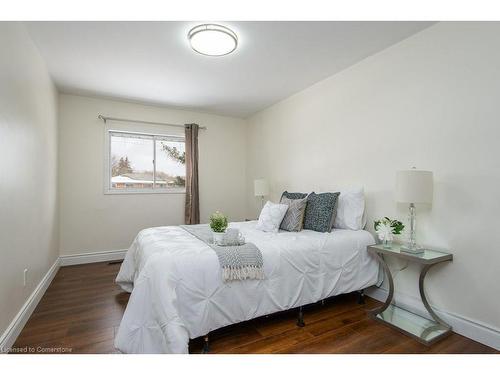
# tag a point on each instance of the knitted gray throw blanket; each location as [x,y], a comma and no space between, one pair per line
[237,262]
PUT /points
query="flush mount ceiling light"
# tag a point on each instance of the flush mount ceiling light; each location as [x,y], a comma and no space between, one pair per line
[212,40]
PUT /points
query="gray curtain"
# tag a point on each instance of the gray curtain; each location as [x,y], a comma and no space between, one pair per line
[192,211]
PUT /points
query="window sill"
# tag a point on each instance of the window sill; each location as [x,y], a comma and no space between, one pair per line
[144,191]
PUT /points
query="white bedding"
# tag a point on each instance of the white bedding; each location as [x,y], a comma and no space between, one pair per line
[178,293]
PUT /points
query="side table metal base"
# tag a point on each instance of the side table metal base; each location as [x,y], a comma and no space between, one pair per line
[424,330]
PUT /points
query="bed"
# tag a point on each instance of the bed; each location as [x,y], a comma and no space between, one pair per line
[177,292]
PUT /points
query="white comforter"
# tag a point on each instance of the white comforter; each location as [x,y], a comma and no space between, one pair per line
[178,293]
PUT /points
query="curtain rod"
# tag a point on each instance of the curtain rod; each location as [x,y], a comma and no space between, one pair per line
[106,118]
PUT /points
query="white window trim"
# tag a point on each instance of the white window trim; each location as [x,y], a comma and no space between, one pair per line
[108,190]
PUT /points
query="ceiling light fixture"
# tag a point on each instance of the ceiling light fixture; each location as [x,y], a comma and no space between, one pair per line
[212,40]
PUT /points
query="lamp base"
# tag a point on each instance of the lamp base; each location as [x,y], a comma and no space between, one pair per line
[412,250]
[411,246]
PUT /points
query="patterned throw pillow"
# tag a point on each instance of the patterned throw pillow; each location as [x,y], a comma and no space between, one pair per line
[288,195]
[271,216]
[294,217]
[320,211]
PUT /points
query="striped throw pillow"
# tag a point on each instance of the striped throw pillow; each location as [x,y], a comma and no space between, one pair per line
[294,217]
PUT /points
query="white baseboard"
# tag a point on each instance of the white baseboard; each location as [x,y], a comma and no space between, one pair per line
[84,258]
[15,327]
[474,330]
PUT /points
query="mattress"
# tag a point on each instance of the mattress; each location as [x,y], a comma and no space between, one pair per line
[178,293]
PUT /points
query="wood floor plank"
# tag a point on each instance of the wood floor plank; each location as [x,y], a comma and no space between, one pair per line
[328,342]
[82,309]
[40,336]
[271,344]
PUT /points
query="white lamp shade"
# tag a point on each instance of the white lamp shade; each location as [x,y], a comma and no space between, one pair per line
[261,188]
[414,186]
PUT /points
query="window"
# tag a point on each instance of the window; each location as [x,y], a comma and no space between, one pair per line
[145,163]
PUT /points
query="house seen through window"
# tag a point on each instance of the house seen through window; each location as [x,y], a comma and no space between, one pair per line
[143,162]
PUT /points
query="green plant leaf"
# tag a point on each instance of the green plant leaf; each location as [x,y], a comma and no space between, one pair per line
[218,222]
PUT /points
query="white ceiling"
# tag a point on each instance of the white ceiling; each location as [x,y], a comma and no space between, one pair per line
[152,62]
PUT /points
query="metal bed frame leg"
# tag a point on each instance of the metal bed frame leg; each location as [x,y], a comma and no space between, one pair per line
[206,346]
[300,318]
[361,297]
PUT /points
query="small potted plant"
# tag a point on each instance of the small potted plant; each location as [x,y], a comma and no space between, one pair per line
[386,230]
[218,223]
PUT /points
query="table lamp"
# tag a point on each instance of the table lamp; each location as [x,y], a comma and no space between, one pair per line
[413,186]
[261,189]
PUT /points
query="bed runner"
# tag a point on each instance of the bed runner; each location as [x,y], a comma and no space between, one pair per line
[237,262]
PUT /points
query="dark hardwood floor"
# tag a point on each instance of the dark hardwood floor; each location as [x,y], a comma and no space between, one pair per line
[82,309]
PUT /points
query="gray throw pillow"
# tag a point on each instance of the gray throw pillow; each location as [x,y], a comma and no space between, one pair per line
[288,195]
[294,217]
[320,211]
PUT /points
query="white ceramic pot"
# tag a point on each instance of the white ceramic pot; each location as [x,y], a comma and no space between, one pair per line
[218,237]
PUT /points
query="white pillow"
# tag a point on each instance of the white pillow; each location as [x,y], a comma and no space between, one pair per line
[271,216]
[350,210]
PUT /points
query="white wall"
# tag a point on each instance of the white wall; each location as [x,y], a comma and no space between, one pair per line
[92,221]
[431,101]
[28,170]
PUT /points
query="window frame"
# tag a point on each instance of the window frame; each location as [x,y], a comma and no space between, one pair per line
[109,190]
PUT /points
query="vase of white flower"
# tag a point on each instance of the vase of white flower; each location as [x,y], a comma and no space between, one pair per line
[386,229]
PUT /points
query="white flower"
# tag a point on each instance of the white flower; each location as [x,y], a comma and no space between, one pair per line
[384,232]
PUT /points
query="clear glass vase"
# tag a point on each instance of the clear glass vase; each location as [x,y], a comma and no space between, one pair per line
[387,243]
